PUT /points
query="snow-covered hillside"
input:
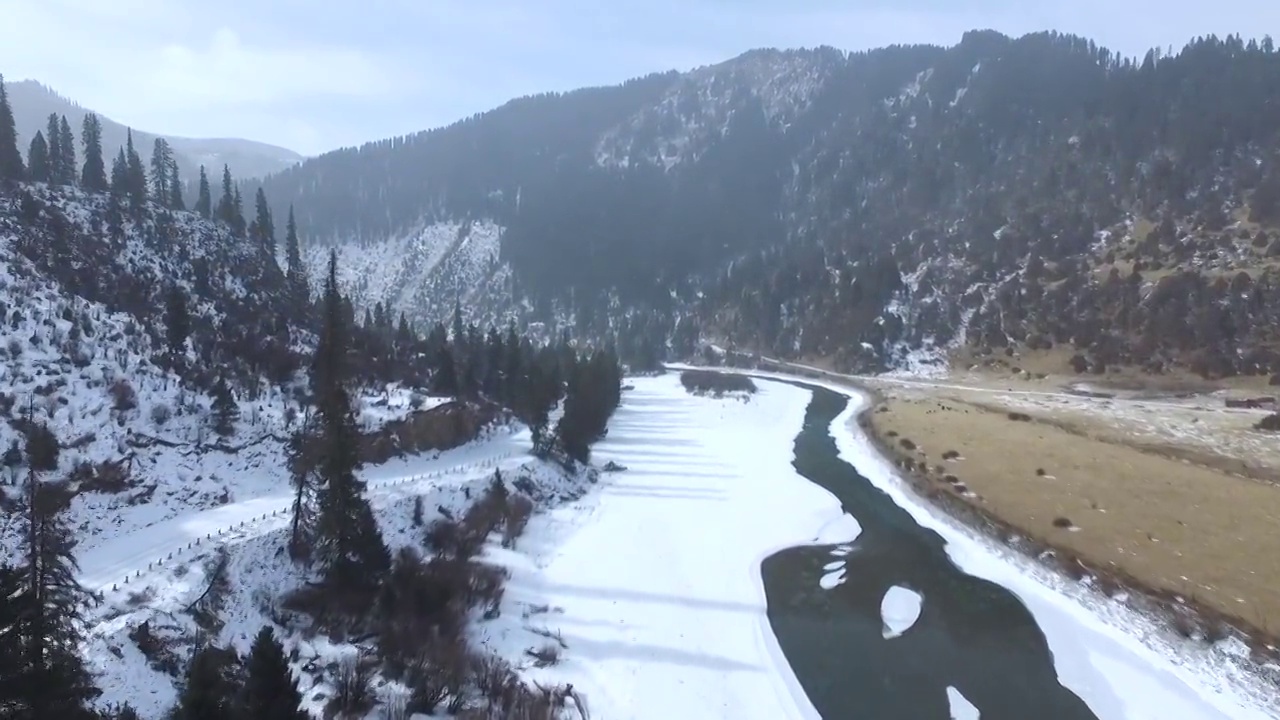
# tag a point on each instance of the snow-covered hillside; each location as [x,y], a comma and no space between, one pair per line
[421,272]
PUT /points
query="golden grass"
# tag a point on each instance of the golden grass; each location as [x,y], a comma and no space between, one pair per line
[1173,525]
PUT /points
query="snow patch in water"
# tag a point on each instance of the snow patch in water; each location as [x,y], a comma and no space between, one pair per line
[961,708]
[899,610]
[832,580]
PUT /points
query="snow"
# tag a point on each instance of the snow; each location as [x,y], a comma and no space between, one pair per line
[961,708]
[655,578]
[1118,662]
[899,610]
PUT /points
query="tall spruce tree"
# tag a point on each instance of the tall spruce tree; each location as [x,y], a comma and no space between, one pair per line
[12,670]
[136,177]
[56,682]
[53,137]
[270,690]
[226,203]
[177,321]
[176,201]
[237,214]
[204,197]
[67,148]
[93,176]
[120,177]
[295,271]
[38,159]
[347,540]
[11,165]
[263,229]
[161,176]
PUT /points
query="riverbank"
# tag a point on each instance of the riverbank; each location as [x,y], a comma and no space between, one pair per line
[1172,534]
[1146,672]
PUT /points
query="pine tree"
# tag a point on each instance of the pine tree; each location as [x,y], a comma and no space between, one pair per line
[67,148]
[237,214]
[12,670]
[263,229]
[225,409]
[204,200]
[11,166]
[296,271]
[161,164]
[176,200]
[270,690]
[136,177]
[38,159]
[53,138]
[55,680]
[347,539]
[211,685]
[226,203]
[177,321]
[120,177]
[93,176]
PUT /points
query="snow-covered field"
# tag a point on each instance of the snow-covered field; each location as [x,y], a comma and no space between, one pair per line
[653,581]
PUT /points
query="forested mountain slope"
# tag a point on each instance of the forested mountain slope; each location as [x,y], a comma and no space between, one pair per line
[1032,192]
[33,103]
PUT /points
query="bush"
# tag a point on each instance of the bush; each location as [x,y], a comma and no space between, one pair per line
[161,414]
[702,382]
[1062,522]
[123,397]
[352,687]
[519,510]
[1019,417]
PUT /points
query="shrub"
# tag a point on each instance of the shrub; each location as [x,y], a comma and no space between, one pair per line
[519,510]
[1062,522]
[161,414]
[950,455]
[352,687]
[436,674]
[1019,417]
[545,656]
[123,397]
[907,444]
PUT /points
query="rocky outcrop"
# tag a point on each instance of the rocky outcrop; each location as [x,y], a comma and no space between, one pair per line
[441,428]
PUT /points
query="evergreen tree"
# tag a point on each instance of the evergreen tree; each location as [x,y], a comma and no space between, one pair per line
[11,166]
[53,138]
[93,176]
[227,202]
[347,539]
[204,198]
[12,671]
[177,321]
[161,172]
[270,690]
[263,229]
[120,177]
[237,214]
[211,685]
[445,379]
[136,174]
[225,409]
[55,680]
[38,159]
[67,148]
[176,201]
[296,271]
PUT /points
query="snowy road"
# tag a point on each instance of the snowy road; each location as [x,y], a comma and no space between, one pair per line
[110,563]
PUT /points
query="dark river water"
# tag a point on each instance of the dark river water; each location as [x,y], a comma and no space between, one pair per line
[972,634]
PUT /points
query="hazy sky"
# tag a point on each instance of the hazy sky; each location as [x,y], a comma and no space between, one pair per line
[317,75]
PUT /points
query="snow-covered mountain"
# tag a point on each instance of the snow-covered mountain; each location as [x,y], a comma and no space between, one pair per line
[872,207]
[33,103]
